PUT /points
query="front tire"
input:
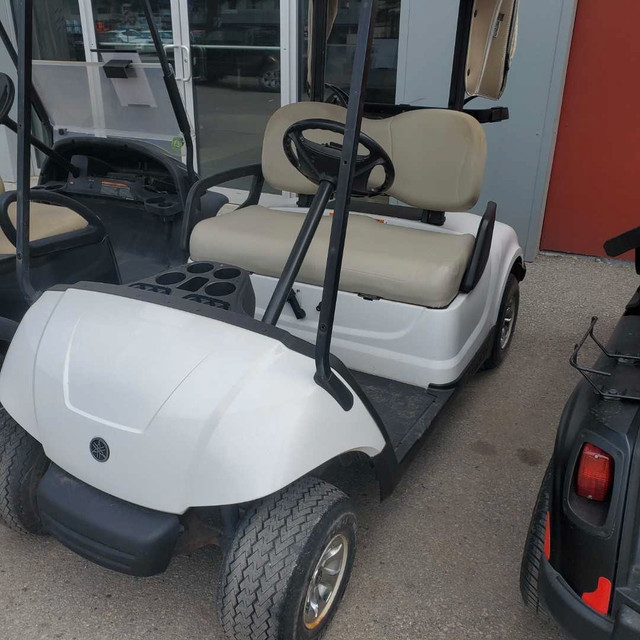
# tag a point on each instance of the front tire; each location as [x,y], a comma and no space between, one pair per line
[506,327]
[289,564]
[534,548]
[22,465]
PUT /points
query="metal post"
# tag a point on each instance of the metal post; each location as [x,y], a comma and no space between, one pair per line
[318,48]
[324,376]
[25,17]
[37,101]
[458,90]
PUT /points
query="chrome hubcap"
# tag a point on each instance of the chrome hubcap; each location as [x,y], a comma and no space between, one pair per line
[507,324]
[325,581]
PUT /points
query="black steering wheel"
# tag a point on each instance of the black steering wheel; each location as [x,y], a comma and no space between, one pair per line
[321,162]
[337,95]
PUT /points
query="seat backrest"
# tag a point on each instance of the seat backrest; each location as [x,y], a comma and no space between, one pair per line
[492,42]
[439,155]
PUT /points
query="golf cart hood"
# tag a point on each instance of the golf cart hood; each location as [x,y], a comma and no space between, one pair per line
[195,411]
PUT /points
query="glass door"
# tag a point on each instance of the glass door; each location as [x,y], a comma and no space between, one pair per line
[235,75]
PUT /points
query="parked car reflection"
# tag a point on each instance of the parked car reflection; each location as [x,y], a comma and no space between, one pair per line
[246,51]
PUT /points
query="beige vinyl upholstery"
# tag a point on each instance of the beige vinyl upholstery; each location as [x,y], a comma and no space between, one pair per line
[439,155]
[491,47]
[413,266]
[46,221]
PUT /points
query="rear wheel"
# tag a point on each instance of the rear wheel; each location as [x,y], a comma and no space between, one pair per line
[534,548]
[507,320]
[289,564]
[22,465]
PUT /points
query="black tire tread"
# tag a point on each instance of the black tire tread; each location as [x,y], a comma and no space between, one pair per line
[19,451]
[534,548]
[264,554]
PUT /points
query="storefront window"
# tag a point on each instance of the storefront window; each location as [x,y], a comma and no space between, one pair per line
[341,48]
[57,30]
[122,26]
[235,49]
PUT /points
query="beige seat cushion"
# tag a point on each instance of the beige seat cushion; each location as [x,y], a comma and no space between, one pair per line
[414,266]
[439,155]
[46,221]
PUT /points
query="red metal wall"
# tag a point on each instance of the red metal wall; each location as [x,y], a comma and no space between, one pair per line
[595,184]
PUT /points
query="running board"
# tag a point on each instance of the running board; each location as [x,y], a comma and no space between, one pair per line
[406,411]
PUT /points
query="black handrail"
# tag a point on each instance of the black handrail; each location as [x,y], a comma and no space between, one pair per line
[46,197]
[196,192]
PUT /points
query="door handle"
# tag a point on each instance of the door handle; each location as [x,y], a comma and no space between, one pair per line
[187,58]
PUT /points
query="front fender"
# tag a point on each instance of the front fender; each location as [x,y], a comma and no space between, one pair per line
[196,411]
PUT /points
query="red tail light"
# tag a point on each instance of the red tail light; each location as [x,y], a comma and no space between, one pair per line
[595,474]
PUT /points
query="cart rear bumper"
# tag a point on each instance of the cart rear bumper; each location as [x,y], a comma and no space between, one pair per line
[576,618]
[110,532]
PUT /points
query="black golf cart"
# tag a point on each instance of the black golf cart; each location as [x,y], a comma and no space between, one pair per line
[108,207]
[581,562]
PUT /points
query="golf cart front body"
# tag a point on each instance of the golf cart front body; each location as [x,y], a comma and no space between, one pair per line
[196,411]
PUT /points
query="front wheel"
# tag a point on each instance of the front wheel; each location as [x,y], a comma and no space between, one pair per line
[506,327]
[288,566]
[22,465]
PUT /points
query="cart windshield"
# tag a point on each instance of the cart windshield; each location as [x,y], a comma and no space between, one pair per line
[81,99]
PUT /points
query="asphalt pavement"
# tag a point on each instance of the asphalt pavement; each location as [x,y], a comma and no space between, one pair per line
[438,560]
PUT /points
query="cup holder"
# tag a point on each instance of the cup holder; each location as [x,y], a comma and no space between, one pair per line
[171,278]
[53,187]
[200,267]
[218,289]
[193,284]
[227,273]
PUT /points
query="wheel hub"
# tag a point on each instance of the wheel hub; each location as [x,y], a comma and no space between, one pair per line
[507,324]
[325,581]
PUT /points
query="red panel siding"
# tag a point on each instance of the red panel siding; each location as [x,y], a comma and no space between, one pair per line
[595,184]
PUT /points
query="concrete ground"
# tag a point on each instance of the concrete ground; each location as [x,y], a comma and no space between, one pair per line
[438,560]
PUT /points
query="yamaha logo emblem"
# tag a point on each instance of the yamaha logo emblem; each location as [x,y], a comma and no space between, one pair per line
[99,450]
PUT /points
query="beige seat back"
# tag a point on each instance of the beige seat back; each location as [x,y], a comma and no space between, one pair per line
[492,43]
[439,155]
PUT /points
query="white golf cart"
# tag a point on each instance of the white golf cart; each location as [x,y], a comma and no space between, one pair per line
[292,339]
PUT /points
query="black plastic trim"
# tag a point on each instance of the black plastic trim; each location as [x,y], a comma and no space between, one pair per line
[481,250]
[113,533]
[568,609]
